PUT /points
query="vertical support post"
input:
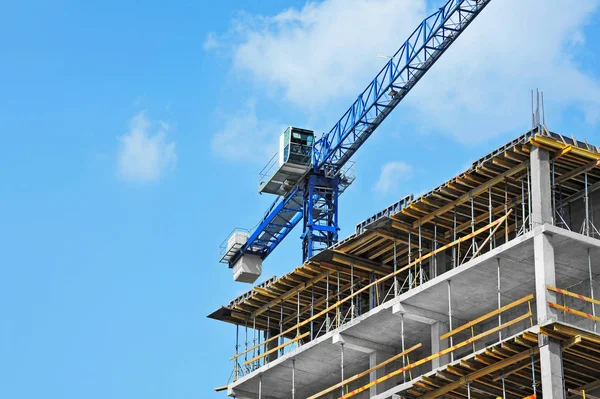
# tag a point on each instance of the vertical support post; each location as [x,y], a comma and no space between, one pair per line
[395,268]
[523,218]
[342,364]
[553,184]
[450,317]
[468,389]
[454,263]
[281,327]
[473,242]
[337,308]
[435,255]
[499,303]
[410,279]
[298,319]
[506,211]
[267,336]
[246,342]
[592,287]
[352,291]
[254,337]
[402,338]
[529,206]
[327,302]
[491,217]
[312,309]
[586,228]
[237,334]
[293,378]
[260,386]
[534,384]
[503,387]
[420,256]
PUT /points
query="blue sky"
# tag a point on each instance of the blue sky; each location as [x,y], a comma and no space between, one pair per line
[133,136]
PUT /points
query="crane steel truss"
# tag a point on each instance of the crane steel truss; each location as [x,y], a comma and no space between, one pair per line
[316,196]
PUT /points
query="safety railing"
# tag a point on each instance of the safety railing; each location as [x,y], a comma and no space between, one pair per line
[565,309]
[474,337]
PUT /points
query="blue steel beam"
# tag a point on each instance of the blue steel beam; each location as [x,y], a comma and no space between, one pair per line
[400,74]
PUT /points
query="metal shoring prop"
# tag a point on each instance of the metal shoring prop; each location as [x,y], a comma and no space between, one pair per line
[523,204]
[410,280]
[312,309]
[237,335]
[491,216]
[402,337]
[352,291]
[266,358]
[260,386]
[281,338]
[420,256]
[395,268]
[529,199]
[454,264]
[499,304]
[473,242]
[434,248]
[506,211]
[587,208]
[592,287]
[254,337]
[293,378]
[450,318]
[553,191]
[342,364]
[298,320]
[337,309]
[533,376]
[327,302]
[246,343]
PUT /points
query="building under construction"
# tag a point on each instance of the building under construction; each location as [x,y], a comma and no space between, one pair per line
[481,288]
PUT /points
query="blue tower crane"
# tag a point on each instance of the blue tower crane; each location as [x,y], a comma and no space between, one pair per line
[309,175]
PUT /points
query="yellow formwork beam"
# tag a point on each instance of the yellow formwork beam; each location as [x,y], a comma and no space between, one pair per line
[487,316]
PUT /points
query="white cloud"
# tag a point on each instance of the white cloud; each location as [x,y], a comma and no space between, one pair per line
[327,51]
[244,138]
[143,155]
[481,86]
[391,174]
[211,42]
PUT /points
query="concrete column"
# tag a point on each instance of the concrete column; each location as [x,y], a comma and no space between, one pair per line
[437,330]
[374,359]
[545,272]
[552,372]
[541,189]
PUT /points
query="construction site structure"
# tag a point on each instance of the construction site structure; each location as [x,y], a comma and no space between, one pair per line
[483,287]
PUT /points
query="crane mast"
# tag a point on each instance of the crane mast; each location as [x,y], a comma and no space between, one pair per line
[310,192]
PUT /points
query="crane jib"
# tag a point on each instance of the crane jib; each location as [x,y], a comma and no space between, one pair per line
[431,38]
[332,151]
